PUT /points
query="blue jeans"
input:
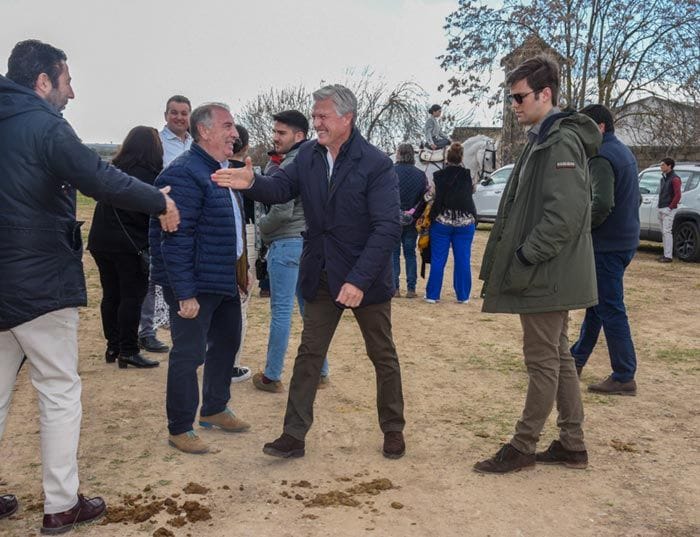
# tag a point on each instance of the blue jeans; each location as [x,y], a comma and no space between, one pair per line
[211,339]
[460,238]
[611,316]
[146,328]
[283,269]
[409,236]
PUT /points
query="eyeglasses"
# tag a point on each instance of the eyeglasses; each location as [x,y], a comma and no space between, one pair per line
[519,97]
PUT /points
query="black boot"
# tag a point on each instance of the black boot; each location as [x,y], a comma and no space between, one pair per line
[111,356]
[136,360]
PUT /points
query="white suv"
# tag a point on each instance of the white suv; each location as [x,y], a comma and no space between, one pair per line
[686,224]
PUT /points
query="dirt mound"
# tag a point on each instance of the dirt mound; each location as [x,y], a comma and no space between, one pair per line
[137,509]
[195,488]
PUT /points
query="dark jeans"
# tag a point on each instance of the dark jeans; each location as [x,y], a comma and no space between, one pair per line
[409,236]
[211,339]
[124,285]
[442,142]
[610,314]
[321,318]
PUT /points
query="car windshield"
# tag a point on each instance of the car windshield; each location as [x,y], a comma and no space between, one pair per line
[500,177]
[650,179]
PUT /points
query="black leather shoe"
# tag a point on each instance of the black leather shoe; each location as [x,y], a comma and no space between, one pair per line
[285,447]
[152,344]
[111,356]
[86,510]
[8,505]
[394,445]
[136,360]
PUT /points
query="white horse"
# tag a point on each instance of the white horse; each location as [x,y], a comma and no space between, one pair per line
[479,158]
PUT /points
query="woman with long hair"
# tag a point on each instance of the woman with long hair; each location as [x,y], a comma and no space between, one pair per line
[453,217]
[118,241]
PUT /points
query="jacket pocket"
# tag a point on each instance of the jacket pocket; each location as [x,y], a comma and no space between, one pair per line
[528,281]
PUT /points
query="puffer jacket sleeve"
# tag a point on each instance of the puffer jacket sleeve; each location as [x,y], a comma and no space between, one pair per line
[178,248]
[384,208]
[65,156]
[565,199]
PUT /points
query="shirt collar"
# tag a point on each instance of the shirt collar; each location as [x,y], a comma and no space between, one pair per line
[170,135]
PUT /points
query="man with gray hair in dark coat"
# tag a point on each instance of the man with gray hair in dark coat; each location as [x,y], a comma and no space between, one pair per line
[351,205]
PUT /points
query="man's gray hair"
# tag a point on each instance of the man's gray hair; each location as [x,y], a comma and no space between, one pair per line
[202,115]
[344,100]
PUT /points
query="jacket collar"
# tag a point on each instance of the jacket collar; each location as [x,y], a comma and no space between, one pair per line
[198,150]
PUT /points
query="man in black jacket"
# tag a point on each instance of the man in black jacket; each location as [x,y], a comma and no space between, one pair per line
[42,164]
[351,206]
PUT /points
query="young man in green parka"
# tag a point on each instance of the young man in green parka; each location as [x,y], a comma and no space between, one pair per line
[539,263]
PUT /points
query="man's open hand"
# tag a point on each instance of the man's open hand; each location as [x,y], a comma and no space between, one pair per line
[236,178]
[170,219]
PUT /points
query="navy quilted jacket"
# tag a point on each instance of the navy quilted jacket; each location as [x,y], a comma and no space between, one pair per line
[200,257]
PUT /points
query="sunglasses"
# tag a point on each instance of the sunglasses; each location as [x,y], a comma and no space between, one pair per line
[519,97]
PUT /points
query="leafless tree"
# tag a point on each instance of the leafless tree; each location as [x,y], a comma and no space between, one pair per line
[615,51]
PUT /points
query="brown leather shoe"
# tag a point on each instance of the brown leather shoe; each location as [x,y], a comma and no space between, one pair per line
[411,293]
[272,386]
[285,447]
[507,459]
[556,453]
[86,510]
[609,386]
[188,442]
[324,382]
[8,505]
[226,421]
[394,445]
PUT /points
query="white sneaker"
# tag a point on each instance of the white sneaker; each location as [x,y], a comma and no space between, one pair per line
[240,374]
[463,301]
[429,300]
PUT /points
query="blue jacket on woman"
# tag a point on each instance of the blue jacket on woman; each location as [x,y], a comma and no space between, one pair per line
[42,164]
[200,257]
[352,219]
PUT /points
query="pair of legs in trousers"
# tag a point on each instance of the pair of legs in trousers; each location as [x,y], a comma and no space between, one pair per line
[50,343]
[283,258]
[212,339]
[441,238]
[124,283]
[409,236]
[551,377]
[610,315]
[321,318]
[666,216]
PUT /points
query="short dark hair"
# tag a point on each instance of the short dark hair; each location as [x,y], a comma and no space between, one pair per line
[178,99]
[434,108]
[405,154]
[455,153]
[243,137]
[142,146]
[294,119]
[600,114]
[30,58]
[540,72]
[669,162]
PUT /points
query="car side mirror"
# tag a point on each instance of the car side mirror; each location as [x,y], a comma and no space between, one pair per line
[487,181]
[644,190]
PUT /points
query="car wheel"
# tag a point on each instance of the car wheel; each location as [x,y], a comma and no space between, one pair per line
[686,241]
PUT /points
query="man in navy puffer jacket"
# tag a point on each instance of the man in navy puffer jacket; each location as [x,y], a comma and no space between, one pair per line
[196,266]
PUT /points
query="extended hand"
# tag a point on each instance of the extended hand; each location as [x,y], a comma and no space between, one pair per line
[236,178]
[189,308]
[350,295]
[171,218]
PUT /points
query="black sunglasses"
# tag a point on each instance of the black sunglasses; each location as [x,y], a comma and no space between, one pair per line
[519,97]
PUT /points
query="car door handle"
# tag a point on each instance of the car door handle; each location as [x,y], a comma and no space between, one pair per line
[646,202]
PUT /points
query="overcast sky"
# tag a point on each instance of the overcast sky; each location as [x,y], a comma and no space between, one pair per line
[128,56]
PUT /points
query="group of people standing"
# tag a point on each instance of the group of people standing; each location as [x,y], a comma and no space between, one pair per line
[540,261]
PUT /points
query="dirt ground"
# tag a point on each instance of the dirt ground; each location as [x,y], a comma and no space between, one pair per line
[464,385]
